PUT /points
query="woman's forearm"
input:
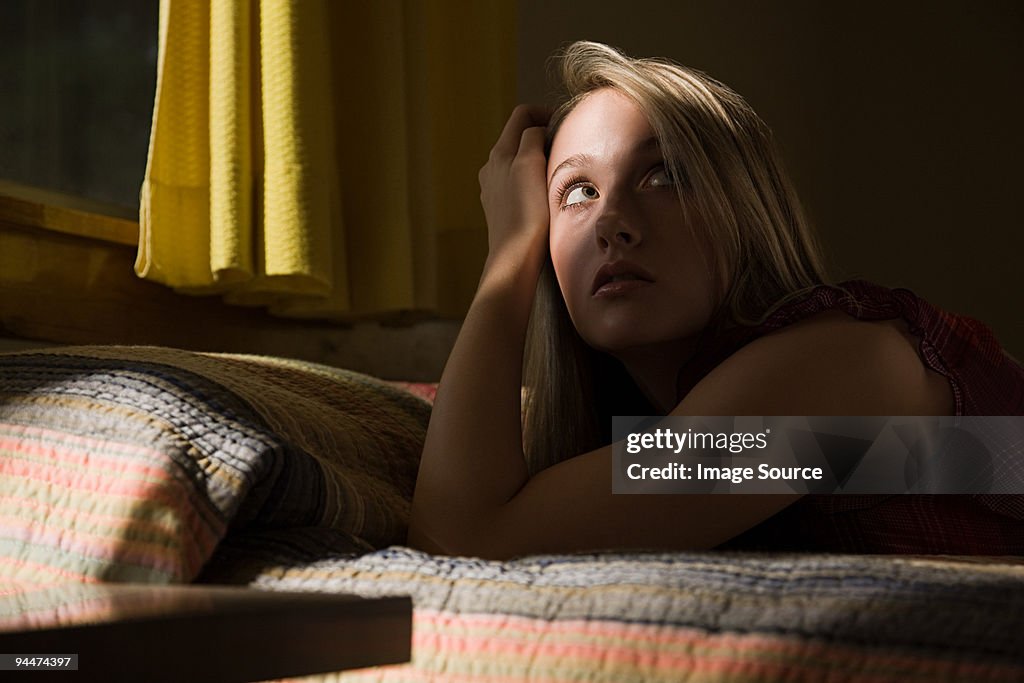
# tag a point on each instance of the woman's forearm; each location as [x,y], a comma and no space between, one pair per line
[473,456]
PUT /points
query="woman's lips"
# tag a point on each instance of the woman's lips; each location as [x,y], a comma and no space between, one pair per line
[620,287]
[618,278]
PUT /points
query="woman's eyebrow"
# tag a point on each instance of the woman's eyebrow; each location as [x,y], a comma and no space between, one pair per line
[574,161]
[579,160]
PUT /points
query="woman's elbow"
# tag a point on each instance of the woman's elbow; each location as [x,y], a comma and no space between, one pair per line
[453,539]
[419,539]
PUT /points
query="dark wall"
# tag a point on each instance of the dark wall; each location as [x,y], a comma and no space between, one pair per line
[900,123]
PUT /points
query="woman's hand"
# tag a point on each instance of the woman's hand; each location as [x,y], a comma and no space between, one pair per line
[473,456]
[513,189]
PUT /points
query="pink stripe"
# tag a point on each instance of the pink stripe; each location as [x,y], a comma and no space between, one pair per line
[94,462]
[409,672]
[85,443]
[21,587]
[92,473]
[149,493]
[94,547]
[195,538]
[67,614]
[85,459]
[39,529]
[39,567]
[473,645]
[90,459]
[124,523]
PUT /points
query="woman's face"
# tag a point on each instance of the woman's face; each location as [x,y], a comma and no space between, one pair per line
[630,268]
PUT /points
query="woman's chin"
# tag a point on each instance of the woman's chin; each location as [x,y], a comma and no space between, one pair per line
[618,341]
[630,339]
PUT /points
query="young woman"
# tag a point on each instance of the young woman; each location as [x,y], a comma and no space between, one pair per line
[676,276]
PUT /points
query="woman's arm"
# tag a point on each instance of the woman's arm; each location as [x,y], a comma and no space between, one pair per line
[473,456]
[828,365]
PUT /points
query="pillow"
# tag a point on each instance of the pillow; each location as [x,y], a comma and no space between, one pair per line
[132,463]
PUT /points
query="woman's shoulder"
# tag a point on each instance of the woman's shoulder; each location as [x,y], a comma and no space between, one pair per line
[825,363]
[983,378]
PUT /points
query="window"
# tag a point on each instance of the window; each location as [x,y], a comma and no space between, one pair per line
[77,88]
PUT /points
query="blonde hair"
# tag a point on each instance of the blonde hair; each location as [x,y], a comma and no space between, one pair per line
[732,190]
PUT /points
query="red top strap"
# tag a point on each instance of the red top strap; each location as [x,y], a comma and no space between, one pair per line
[984,378]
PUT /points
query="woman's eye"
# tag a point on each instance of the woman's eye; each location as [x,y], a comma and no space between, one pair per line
[660,178]
[580,194]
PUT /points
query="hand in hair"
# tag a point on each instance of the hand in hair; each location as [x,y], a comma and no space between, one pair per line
[474,444]
[512,188]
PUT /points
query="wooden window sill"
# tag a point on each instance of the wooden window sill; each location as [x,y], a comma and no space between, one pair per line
[32,208]
[67,276]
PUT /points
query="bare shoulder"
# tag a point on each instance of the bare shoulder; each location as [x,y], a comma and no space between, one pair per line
[829,364]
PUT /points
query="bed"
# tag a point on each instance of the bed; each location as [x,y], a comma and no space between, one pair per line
[157,466]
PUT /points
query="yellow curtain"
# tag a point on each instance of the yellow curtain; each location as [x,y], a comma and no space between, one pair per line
[320,157]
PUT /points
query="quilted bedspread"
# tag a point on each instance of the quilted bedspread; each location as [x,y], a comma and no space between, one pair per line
[669,617]
[153,465]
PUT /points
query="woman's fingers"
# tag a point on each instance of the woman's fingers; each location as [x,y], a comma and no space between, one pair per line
[532,141]
[513,189]
[524,116]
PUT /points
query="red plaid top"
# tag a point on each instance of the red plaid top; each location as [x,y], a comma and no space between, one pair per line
[985,381]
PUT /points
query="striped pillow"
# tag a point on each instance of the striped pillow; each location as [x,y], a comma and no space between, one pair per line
[132,463]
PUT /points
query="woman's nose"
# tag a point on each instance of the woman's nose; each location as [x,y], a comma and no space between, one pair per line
[617,225]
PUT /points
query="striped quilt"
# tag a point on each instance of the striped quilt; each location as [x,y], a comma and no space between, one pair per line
[668,617]
[153,465]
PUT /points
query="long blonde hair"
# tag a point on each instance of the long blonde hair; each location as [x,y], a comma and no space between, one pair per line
[732,189]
